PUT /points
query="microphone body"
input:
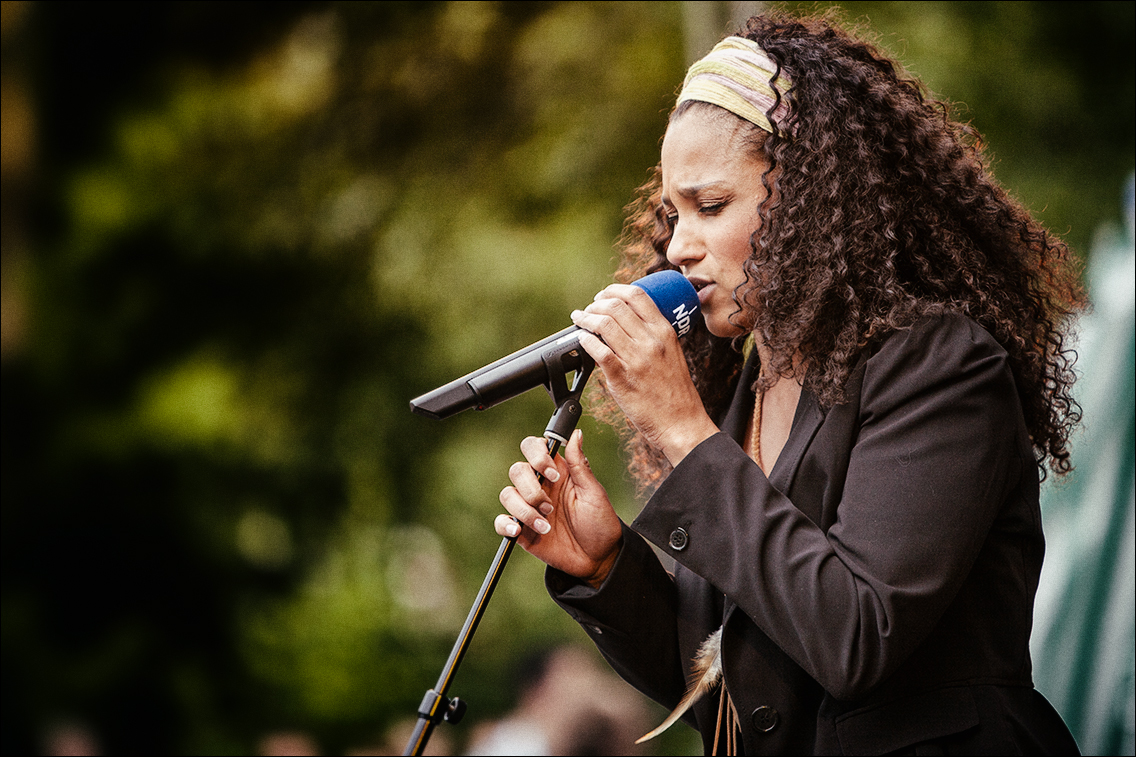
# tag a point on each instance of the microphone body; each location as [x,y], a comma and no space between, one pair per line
[535,365]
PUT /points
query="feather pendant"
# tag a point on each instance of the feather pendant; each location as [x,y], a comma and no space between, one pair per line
[707,672]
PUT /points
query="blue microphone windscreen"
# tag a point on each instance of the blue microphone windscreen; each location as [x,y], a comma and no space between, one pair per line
[675,297]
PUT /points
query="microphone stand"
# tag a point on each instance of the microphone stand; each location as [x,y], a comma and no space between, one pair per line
[435,706]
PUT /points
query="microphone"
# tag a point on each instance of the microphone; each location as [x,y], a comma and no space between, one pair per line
[536,364]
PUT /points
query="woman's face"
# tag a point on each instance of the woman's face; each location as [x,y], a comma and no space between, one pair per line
[711,192]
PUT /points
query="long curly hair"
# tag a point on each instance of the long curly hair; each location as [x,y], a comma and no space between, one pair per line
[882,211]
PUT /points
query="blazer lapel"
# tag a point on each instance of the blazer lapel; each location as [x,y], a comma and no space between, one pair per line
[806,422]
[741,406]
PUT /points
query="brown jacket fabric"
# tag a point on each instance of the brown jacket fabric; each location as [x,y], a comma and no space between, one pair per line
[876,591]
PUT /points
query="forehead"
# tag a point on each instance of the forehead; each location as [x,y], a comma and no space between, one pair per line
[702,146]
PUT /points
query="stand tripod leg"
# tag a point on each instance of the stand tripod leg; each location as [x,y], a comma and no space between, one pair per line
[435,706]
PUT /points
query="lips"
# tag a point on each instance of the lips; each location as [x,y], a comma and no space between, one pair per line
[700,285]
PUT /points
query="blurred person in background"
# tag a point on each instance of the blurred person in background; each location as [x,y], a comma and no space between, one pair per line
[846,460]
[284,743]
[568,705]
[70,738]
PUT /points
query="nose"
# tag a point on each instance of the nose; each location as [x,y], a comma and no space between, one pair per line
[683,250]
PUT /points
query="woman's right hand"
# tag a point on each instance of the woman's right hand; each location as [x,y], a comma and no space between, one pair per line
[568,521]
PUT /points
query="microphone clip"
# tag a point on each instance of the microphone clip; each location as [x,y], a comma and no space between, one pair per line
[567,400]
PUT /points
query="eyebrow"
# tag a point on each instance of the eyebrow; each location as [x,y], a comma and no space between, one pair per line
[692,191]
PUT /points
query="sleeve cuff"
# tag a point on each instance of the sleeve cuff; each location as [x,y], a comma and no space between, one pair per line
[636,580]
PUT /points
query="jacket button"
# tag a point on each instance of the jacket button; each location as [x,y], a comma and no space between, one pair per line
[679,539]
[764,718]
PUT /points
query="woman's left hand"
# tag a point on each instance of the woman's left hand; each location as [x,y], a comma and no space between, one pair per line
[645,369]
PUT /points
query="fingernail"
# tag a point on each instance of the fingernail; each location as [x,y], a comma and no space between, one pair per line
[541,526]
[512,529]
[545,509]
[552,475]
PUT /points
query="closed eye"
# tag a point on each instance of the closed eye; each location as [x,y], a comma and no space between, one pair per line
[708,209]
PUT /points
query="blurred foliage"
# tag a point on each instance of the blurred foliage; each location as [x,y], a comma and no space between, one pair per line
[252,232]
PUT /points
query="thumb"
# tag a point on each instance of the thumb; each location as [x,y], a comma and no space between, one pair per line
[578,465]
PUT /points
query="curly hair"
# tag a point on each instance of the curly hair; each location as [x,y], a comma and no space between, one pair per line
[882,211]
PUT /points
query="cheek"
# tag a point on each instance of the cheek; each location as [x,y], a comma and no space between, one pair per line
[736,249]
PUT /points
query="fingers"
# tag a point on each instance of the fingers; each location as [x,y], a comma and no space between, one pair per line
[622,316]
[611,319]
[529,488]
[526,500]
[535,450]
[505,525]
[523,511]
[634,296]
[634,299]
[523,474]
[583,535]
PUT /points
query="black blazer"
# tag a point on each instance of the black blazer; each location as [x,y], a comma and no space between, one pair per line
[876,590]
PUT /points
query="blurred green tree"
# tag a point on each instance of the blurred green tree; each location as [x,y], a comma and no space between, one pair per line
[220,517]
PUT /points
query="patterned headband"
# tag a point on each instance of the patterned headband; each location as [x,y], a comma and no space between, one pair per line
[735,75]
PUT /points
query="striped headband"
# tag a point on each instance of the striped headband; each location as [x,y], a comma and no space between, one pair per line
[735,75]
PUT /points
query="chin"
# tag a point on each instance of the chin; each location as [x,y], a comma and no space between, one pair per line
[723,330]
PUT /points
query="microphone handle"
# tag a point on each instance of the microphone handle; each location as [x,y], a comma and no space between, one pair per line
[531,369]
[474,390]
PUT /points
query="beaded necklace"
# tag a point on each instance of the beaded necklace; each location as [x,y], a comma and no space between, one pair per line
[755,429]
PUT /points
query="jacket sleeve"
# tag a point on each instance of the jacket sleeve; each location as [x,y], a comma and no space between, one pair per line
[938,448]
[632,618]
